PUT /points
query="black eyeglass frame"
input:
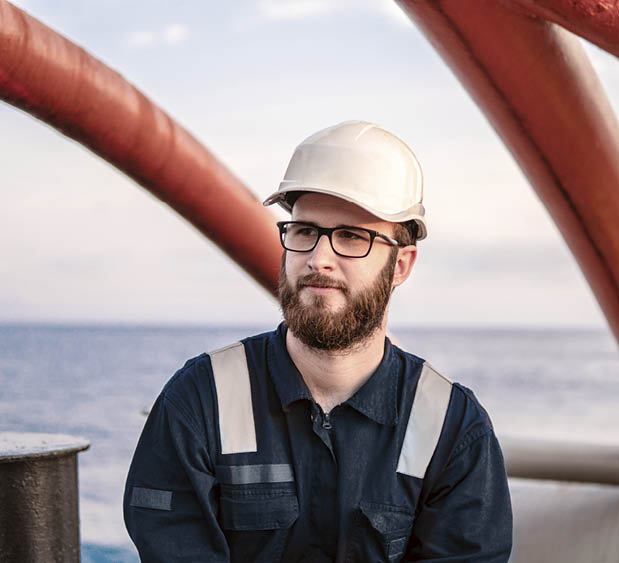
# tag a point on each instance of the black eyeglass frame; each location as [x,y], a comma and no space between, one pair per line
[328,232]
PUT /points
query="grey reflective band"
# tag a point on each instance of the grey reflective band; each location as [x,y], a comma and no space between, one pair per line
[237,431]
[151,498]
[246,474]
[425,422]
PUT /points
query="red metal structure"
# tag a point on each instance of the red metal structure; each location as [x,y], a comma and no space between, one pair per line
[48,76]
[536,86]
[528,75]
[595,20]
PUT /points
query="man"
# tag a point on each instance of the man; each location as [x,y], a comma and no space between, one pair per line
[322,441]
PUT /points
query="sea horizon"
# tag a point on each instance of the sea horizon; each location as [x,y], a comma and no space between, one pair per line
[107,323]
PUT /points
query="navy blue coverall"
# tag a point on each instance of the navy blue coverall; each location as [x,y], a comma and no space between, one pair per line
[319,487]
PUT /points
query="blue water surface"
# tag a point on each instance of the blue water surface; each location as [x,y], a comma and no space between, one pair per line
[97,382]
[103,554]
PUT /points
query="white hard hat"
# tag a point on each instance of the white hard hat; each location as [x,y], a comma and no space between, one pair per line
[361,163]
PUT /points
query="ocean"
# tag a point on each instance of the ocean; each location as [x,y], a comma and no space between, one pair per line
[97,382]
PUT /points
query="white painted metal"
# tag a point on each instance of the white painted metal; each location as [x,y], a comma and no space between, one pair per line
[560,522]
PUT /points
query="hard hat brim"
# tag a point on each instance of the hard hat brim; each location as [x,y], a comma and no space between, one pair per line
[413,214]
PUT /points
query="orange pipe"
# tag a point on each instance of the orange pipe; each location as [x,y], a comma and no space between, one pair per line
[46,75]
[539,91]
[534,85]
[595,20]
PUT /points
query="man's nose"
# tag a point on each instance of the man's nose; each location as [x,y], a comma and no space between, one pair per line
[322,257]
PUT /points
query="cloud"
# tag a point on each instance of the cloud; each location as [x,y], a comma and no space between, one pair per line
[286,10]
[141,38]
[172,34]
[293,9]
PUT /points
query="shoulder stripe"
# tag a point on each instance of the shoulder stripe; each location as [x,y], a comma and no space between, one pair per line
[237,429]
[425,422]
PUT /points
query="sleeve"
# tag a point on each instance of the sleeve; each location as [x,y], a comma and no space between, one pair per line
[467,517]
[170,507]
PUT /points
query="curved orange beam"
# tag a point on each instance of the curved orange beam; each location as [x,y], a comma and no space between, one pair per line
[594,20]
[539,91]
[503,56]
[46,75]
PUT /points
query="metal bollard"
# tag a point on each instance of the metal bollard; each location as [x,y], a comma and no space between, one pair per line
[39,519]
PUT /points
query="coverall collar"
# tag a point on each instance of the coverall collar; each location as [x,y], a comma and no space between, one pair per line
[376,399]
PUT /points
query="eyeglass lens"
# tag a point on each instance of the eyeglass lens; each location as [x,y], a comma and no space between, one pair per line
[347,241]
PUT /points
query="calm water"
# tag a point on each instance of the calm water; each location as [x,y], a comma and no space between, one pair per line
[96,381]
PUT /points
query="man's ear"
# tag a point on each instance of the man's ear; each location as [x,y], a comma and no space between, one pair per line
[404,264]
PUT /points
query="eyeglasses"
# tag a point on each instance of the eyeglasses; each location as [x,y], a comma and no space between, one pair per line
[350,242]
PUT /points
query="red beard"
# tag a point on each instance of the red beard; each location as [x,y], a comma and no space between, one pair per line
[318,327]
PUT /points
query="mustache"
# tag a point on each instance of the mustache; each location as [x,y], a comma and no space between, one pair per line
[320,280]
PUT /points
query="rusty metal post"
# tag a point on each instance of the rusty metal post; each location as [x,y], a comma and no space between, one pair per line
[39,519]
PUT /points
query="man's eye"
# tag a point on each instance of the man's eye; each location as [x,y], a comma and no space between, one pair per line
[351,235]
[303,232]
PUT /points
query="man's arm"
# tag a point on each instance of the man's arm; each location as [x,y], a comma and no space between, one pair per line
[169,505]
[466,517]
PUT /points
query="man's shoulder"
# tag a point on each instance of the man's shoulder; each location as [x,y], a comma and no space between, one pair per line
[187,374]
[197,371]
[465,417]
[462,398]
[191,391]
[405,355]
[261,337]
[416,367]
[466,421]
[466,426]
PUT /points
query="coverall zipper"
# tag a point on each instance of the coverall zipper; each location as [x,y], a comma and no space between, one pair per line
[326,422]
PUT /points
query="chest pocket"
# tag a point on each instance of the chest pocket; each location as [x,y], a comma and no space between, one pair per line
[381,533]
[257,519]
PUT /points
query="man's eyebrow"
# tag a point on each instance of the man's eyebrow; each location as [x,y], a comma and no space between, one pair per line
[340,226]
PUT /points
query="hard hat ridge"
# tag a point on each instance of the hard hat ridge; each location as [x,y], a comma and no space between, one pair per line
[362,163]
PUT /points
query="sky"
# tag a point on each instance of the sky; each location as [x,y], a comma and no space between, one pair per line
[82,243]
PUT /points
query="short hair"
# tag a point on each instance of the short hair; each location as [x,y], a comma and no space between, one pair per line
[406,233]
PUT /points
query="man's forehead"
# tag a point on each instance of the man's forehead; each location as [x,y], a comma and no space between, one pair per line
[328,210]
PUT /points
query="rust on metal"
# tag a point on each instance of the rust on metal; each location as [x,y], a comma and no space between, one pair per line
[39,519]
